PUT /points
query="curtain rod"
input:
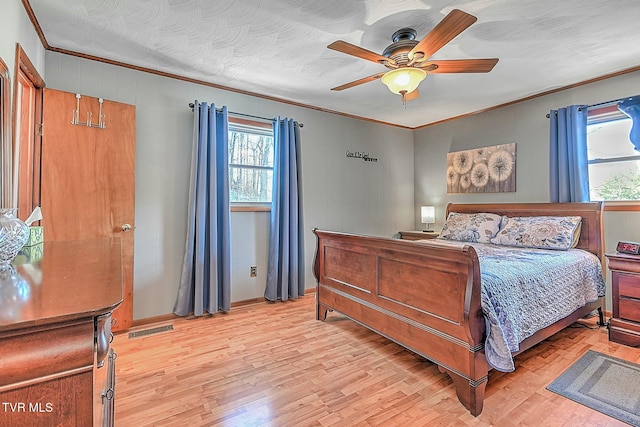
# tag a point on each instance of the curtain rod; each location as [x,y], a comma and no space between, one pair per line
[191,105]
[579,108]
[615,101]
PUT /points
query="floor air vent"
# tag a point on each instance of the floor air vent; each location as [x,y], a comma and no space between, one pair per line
[150,331]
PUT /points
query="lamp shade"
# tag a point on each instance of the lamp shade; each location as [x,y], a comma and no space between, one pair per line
[404,79]
[428,214]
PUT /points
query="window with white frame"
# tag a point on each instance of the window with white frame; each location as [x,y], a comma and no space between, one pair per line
[614,165]
[251,153]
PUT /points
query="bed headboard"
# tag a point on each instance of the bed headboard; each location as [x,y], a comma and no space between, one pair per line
[591,237]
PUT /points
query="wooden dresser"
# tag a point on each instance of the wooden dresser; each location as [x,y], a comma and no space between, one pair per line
[624,325]
[55,333]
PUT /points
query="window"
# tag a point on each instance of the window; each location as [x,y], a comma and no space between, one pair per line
[614,165]
[251,154]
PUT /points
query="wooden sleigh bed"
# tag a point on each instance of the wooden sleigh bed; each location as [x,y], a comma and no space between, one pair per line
[428,298]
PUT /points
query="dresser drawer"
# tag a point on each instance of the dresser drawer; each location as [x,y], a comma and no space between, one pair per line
[628,285]
[629,309]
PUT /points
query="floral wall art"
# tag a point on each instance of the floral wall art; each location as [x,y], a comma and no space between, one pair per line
[482,170]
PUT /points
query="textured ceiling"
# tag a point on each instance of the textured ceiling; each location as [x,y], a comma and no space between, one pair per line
[278,47]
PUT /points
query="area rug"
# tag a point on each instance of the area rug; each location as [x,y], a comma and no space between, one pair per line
[604,383]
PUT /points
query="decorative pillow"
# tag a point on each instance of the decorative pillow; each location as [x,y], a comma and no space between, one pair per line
[543,232]
[477,227]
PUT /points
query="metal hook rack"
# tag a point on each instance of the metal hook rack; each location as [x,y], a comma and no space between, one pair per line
[75,119]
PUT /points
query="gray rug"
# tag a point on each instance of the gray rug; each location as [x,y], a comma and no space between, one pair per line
[604,383]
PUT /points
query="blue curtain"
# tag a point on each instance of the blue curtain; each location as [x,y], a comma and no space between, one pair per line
[205,285]
[285,273]
[631,107]
[568,161]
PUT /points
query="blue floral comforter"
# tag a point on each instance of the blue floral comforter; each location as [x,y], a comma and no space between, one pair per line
[525,290]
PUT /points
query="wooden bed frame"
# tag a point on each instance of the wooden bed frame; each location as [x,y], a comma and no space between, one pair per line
[427,298]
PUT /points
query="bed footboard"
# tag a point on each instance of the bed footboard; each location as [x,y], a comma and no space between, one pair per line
[424,297]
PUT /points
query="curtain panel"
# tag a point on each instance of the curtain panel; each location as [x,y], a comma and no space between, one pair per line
[285,273]
[205,283]
[631,107]
[568,160]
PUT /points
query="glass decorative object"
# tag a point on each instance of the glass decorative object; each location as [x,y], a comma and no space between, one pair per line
[14,233]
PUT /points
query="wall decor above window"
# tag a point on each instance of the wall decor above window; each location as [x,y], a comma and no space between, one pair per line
[482,170]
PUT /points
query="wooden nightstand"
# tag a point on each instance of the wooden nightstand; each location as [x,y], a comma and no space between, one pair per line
[418,235]
[624,325]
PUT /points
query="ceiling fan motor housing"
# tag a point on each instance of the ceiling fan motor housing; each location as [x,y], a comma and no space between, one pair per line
[403,41]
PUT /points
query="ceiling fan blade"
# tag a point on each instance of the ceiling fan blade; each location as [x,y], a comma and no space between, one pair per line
[358,82]
[453,24]
[460,65]
[351,49]
[412,95]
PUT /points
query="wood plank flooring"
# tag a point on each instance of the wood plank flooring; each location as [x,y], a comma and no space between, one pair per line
[275,365]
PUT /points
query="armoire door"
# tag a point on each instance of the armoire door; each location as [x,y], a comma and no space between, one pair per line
[88,178]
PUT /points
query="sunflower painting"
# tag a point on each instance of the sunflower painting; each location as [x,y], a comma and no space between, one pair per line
[482,170]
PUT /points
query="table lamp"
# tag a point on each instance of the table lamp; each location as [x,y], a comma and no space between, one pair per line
[428,214]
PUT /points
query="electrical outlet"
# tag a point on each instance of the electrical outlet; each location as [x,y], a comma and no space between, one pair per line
[254,271]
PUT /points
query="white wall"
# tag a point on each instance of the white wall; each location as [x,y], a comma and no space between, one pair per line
[525,124]
[15,27]
[339,193]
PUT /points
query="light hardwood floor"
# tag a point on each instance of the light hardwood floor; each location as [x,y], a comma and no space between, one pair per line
[275,365]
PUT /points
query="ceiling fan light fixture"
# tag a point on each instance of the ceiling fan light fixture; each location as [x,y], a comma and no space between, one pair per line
[404,79]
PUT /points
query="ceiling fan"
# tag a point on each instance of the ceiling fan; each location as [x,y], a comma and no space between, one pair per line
[408,59]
